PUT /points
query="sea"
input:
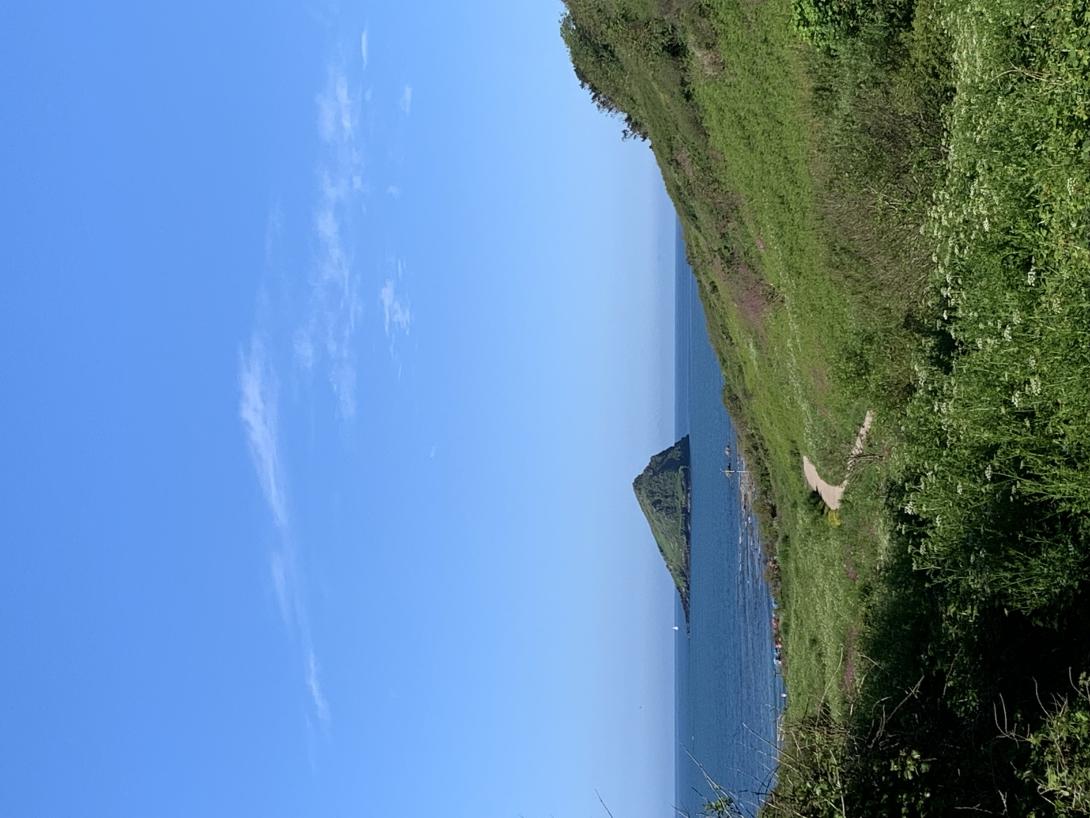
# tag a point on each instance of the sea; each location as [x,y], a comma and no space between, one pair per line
[729,693]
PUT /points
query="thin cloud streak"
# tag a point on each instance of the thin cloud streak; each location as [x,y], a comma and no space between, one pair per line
[397,316]
[283,566]
[321,338]
[258,411]
[327,334]
[314,686]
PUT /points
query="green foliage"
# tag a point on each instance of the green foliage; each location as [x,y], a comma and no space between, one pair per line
[999,505]
[663,492]
[892,212]
[827,22]
[723,807]
[610,41]
[830,25]
[1060,754]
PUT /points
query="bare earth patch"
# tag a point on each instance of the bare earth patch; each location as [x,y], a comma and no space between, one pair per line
[752,296]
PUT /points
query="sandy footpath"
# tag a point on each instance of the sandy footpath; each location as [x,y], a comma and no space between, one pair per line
[830,494]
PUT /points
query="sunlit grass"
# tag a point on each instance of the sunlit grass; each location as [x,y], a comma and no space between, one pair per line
[891,212]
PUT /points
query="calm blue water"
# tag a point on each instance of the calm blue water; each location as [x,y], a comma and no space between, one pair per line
[728,688]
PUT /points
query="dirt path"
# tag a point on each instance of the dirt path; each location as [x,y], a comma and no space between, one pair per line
[830,494]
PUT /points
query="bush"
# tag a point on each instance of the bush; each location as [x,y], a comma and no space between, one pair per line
[1060,754]
[827,22]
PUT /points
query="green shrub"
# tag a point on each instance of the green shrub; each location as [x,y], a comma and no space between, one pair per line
[825,23]
[1060,755]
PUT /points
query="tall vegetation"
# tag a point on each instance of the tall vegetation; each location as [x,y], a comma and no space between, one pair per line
[887,206]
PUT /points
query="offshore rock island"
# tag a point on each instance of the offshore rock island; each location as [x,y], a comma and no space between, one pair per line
[663,490]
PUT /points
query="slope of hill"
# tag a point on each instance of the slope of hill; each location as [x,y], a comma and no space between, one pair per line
[885,203]
[663,491]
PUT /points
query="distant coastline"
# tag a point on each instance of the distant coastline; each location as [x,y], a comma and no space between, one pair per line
[729,693]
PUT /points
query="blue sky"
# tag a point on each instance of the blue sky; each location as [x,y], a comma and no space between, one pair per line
[331,336]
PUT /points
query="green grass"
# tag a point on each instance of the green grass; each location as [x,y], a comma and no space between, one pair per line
[783,342]
[1010,405]
[732,125]
[887,206]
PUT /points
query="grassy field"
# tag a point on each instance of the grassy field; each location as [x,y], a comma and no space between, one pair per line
[789,315]
[887,205]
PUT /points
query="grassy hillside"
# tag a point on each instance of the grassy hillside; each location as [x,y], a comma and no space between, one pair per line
[886,206]
[663,492]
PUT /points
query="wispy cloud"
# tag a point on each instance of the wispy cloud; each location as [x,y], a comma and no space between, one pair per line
[288,585]
[258,411]
[320,341]
[326,335]
[314,686]
[336,114]
[397,315]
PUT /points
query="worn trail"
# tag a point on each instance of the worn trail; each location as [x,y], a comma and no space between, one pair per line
[833,494]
